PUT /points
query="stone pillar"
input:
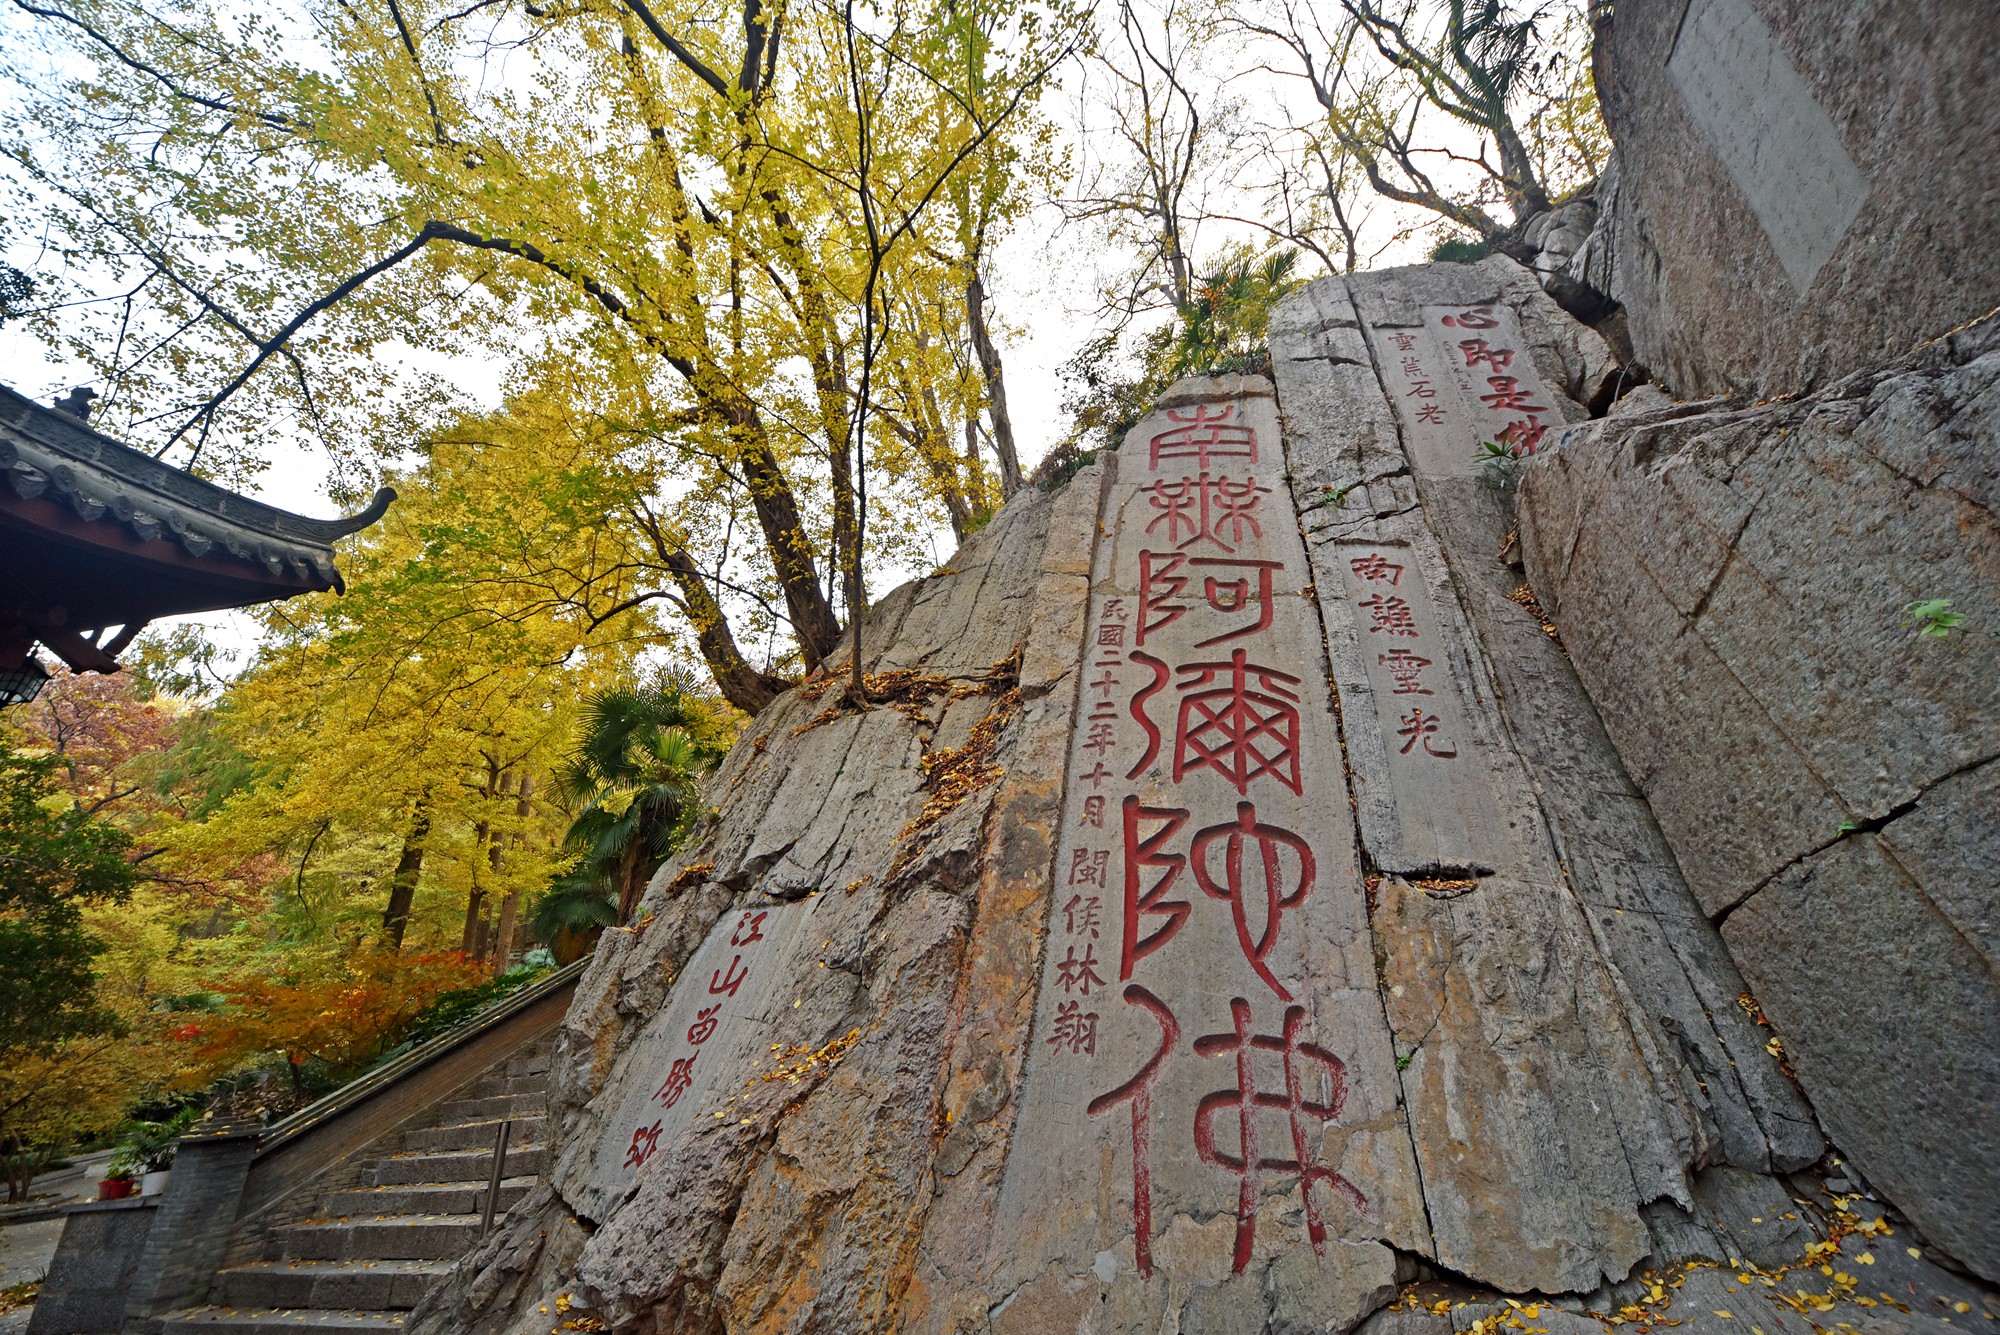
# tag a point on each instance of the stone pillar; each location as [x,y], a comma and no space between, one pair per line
[93,1267]
[191,1229]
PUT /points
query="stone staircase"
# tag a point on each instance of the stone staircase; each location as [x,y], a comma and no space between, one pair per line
[393,1223]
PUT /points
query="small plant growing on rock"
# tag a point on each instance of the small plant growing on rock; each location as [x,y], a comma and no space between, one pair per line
[1499,463]
[1932,616]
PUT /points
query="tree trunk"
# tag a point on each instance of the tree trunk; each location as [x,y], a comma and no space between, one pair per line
[630,884]
[475,899]
[503,940]
[403,883]
[469,941]
[1524,190]
[510,903]
[742,685]
[813,622]
[996,388]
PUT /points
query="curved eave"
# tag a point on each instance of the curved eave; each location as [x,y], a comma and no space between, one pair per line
[79,486]
[97,572]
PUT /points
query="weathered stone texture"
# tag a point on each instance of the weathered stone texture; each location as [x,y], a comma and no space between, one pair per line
[1581,951]
[1804,189]
[1730,582]
[1142,962]
[793,1191]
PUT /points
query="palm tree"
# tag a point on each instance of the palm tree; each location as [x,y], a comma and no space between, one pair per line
[636,774]
[570,914]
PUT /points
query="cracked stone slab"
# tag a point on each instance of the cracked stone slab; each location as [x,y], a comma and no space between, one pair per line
[1731,582]
[1574,933]
[1208,938]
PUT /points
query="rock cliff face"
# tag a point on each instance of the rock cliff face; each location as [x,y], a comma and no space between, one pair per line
[1803,189]
[1230,908]
[1730,580]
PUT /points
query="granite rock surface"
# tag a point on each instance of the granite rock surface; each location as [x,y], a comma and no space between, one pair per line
[1802,190]
[1228,909]
[1731,582]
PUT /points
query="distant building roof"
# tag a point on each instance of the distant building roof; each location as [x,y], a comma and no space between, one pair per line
[96,535]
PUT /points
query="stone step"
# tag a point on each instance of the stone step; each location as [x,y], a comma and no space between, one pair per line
[490,1107]
[454,1166]
[367,1285]
[489,1085]
[274,1321]
[533,1063]
[410,1237]
[424,1198]
[472,1135]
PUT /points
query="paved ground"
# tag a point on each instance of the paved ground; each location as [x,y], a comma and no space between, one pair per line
[25,1250]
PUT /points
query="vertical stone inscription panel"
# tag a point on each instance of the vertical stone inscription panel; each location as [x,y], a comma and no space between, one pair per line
[1446,818]
[1462,379]
[1211,1084]
[1769,131]
[682,1070]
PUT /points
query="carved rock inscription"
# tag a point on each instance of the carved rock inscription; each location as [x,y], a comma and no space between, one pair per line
[1461,380]
[718,1020]
[1209,1044]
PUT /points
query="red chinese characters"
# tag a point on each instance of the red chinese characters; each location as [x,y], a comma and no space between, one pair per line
[1478,350]
[1148,853]
[1389,618]
[1075,1029]
[645,1143]
[1240,720]
[744,936]
[1203,434]
[1504,393]
[1136,1095]
[1214,510]
[1226,588]
[1203,703]
[1306,1066]
[1508,395]
[1079,975]
[1478,317]
[677,1082]
[1254,860]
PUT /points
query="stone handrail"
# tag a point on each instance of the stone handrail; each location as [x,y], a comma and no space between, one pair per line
[297,1150]
[233,1180]
[358,1091]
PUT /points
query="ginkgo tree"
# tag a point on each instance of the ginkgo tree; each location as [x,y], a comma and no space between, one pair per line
[406,734]
[735,214]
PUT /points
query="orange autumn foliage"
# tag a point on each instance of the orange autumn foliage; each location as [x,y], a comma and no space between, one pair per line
[344,1010]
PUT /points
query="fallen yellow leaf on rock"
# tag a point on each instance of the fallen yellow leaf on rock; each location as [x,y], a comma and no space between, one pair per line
[1724,1315]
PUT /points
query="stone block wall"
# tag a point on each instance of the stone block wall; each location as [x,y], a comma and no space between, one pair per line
[93,1268]
[1731,583]
[1804,188]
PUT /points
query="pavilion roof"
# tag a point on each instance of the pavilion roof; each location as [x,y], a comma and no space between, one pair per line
[96,534]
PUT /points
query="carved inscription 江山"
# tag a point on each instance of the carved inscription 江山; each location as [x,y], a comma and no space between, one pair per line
[1195,890]
[717,1015]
